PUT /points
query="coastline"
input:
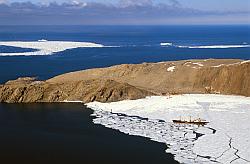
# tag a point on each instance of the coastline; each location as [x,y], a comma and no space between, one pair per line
[223,139]
[213,81]
[65,133]
[134,81]
[152,117]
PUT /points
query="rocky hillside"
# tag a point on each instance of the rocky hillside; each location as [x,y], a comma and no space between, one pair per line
[133,81]
[25,90]
[189,76]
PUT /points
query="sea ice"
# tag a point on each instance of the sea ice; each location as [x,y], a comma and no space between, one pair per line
[166,44]
[45,47]
[216,46]
[225,139]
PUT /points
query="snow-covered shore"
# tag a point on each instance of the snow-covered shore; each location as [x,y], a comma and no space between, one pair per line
[225,139]
[45,47]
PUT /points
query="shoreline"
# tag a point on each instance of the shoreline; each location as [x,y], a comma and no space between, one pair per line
[143,94]
[68,135]
[134,81]
[107,116]
[106,119]
[183,140]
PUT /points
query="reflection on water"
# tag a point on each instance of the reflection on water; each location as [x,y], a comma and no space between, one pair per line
[64,133]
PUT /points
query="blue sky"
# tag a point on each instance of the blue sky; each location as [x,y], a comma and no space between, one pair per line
[125,12]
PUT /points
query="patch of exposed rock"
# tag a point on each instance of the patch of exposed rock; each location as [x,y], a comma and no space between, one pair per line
[20,91]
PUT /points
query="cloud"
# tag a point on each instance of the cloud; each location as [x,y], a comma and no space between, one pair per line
[3,1]
[175,3]
[126,12]
[128,3]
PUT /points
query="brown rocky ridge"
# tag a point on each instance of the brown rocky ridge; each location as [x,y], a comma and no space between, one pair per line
[134,81]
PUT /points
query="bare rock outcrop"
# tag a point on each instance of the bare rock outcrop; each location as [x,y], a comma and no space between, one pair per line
[133,81]
[224,76]
[85,90]
[232,79]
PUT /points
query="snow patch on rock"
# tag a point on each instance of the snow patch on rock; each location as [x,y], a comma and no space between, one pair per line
[171,69]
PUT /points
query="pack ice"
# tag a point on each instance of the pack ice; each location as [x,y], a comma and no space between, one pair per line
[45,47]
[225,139]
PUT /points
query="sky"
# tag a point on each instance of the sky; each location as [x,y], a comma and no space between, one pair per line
[124,12]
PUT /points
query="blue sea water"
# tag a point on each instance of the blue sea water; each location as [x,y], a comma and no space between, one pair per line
[132,44]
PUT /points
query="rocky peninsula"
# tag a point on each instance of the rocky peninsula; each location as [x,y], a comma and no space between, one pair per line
[134,81]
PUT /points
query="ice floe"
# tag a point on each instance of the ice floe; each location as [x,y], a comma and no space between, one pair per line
[166,44]
[45,47]
[216,46]
[42,40]
[225,139]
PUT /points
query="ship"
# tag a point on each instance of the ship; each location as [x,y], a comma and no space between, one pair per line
[198,121]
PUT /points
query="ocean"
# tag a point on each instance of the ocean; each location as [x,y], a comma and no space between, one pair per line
[64,133]
[123,44]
